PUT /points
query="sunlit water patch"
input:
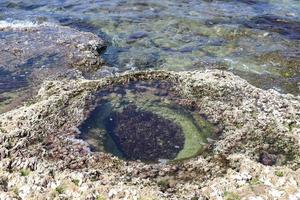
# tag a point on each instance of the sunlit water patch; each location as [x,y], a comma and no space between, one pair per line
[146,121]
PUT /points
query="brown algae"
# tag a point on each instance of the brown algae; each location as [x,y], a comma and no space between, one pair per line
[145,120]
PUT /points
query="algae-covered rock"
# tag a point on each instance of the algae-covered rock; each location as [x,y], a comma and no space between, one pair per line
[31,53]
[45,138]
[289,65]
[46,45]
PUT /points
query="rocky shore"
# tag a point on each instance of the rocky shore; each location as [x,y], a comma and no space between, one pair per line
[257,156]
[31,53]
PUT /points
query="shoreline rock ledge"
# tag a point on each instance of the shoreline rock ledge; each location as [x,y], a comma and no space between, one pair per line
[60,45]
[31,53]
[257,155]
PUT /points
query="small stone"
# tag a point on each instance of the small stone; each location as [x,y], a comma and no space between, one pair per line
[267,159]
[266,146]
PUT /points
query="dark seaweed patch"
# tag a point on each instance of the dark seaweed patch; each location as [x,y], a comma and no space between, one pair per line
[287,27]
[142,135]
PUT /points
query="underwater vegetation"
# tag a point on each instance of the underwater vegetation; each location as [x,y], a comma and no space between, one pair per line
[144,135]
[286,27]
[178,35]
[145,121]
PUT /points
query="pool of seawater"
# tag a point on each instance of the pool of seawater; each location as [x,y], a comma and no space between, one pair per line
[146,121]
[257,39]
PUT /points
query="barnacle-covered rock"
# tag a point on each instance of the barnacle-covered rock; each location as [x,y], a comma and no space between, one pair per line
[256,125]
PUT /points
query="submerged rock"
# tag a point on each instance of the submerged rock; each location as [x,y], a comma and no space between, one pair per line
[31,53]
[21,42]
[44,137]
[135,36]
[284,26]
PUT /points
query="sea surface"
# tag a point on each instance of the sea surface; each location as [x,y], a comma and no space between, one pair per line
[258,40]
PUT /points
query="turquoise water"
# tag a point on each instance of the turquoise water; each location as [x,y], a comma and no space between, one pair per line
[256,39]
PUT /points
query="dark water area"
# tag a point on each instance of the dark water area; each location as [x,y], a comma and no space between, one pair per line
[144,135]
[258,40]
[9,82]
[288,28]
[145,121]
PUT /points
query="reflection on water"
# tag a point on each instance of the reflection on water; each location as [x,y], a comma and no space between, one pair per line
[146,121]
[182,35]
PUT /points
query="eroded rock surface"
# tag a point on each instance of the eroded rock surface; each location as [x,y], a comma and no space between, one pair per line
[41,155]
[31,53]
[25,43]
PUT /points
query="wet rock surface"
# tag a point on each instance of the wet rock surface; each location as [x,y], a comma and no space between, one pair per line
[48,45]
[178,35]
[55,146]
[43,139]
[31,53]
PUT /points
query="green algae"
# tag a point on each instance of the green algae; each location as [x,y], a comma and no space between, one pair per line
[231,196]
[24,172]
[7,99]
[241,48]
[287,66]
[279,173]
[195,136]
[195,128]
[254,181]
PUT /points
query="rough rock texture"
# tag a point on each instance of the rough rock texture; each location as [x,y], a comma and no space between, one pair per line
[21,43]
[41,156]
[31,53]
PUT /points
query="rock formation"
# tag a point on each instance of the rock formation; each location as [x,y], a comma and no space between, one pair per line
[257,154]
[31,53]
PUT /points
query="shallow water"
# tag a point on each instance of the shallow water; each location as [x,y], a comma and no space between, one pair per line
[146,121]
[256,39]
